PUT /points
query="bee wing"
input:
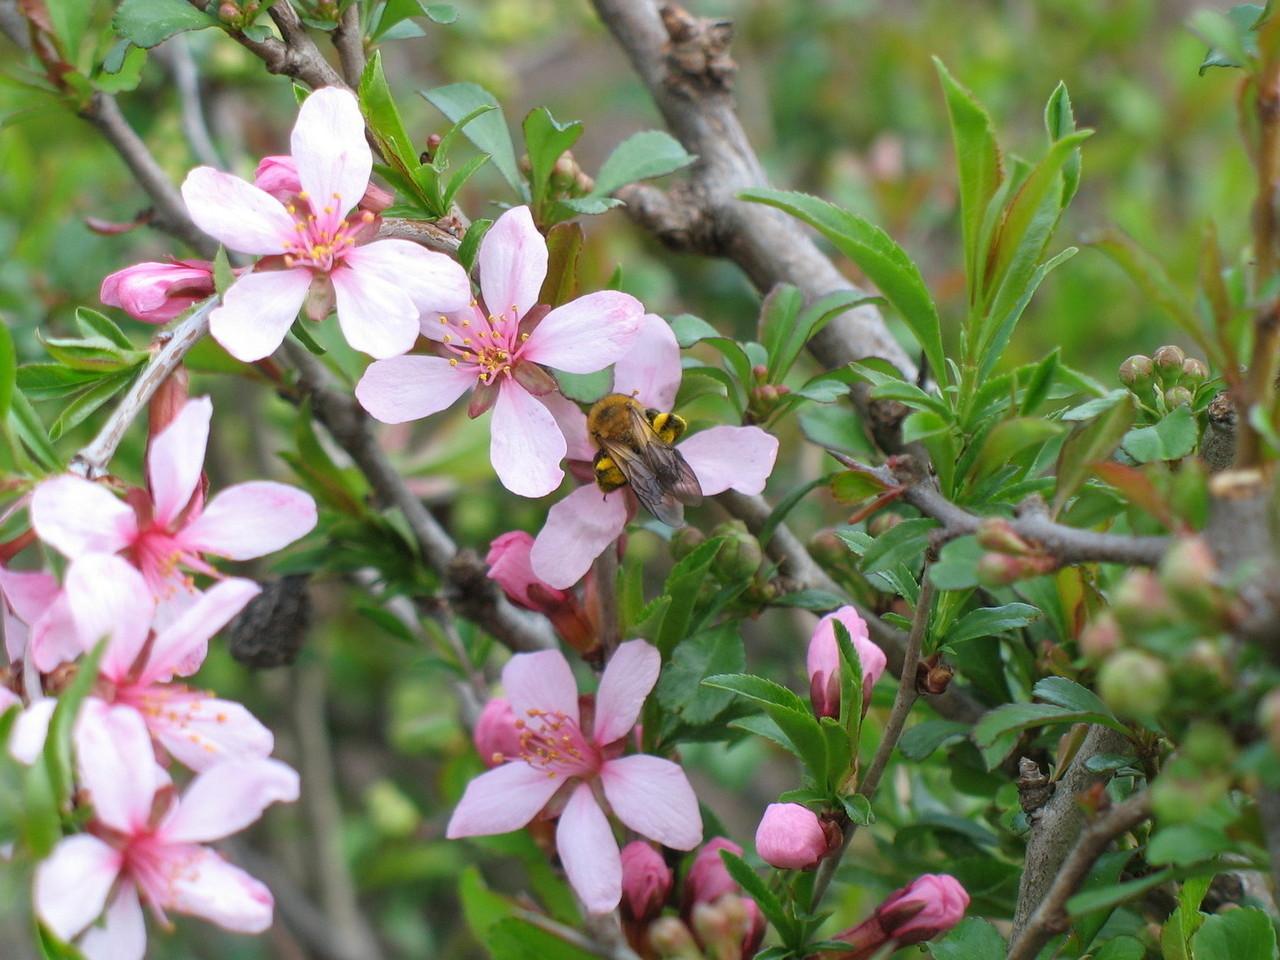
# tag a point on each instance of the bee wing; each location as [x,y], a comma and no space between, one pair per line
[663,482]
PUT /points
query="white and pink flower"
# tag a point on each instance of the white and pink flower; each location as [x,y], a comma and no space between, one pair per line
[169,526]
[37,620]
[380,288]
[110,599]
[579,763]
[584,523]
[498,348]
[145,846]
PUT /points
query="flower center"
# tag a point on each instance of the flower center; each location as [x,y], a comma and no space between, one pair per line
[551,741]
[492,345]
[323,238]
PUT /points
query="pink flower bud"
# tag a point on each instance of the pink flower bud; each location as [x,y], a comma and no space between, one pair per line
[928,906]
[278,176]
[511,568]
[646,881]
[791,837]
[497,738]
[824,661]
[158,292]
[708,879]
[757,925]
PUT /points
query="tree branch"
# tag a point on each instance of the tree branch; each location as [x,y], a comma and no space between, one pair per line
[348,40]
[684,63]
[1067,544]
[294,55]
[1050,917]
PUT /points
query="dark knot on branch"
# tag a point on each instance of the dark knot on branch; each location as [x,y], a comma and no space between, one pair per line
[698,52]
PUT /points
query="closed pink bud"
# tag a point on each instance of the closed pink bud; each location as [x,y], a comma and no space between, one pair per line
[790,837]
[497,738]
[708,878]
[928,906]
[278,176]
[511,568]
[824,661]
[158,292]
[755,930]
[646,881]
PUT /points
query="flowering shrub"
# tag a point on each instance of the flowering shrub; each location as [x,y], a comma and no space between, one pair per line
[1013,696]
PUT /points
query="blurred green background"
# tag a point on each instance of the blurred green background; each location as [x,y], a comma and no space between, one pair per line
[841,99]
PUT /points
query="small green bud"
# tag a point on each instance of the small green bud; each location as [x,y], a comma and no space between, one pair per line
[827,548]
[1187,572]
[1203,672]
[685,540]
[228,12]
[740,557]
[582,184]
[760,372]
[1183,791]
[563,173]
[1136,371]
[997,534]
[672,940]
[1194,369]
[882,523]
[1134,684]
[1101,637]
[1169,360]
[1140,602]
[1002,569]
[1177,397]
[1208,745]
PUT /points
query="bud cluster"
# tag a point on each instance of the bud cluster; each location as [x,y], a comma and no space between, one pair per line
[763,397]
[567,179]
[1169,378]
[237,16]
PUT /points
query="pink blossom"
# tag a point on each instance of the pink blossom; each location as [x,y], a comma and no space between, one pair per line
[928,906]
[37,620]
[824,661]
[146,847]
[511,568]
[791,837]
[497,348]
[158,292]
[708,879]
[646,881]
[497,733]
[558,756]
[380,288]
[30,727]
[169,525]
[580,526]
[110,599]
[278,176]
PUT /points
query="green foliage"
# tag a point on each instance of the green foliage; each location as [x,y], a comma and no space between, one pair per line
[147,23]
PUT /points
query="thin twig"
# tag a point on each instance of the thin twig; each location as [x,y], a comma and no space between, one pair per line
[615,950]
[92,460]
[1067,544]
[175,54]
[1050,917]
[348,40]
[605,568]
[903,701]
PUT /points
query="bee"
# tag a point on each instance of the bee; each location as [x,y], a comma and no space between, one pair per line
[635,446]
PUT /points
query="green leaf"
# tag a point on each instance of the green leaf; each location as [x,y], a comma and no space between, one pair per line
[979,166]
[470,245]
[1009,438]
[488,131]
[380,112]
[24,422]
[92,353]
[121,73]
[710,653]
[1243,934]
[756,888]
[87,401]
[1230,36]
[149,22]
[883,261]
[819,601]
[920,741]
[956,566]
[8,371]
[682,586]
[56,757]
[1067,693]
[1173,438]
[1121,948]
[1095,407]
[1183,844]
[902,543]
[971,939]
[96,326]
[642,156]
[1059,122]
[760,690]
[516,939]
[1114,894]
[69,20]
[791,715]
[806,326]
[989,621]
[544,140]
[858,809]
[993,732]
[690,329]
[585,387]
[1089,444]
[995,345]
[397,11]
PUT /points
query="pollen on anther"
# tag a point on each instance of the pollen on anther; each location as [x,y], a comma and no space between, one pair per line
[524,337]
[453,361]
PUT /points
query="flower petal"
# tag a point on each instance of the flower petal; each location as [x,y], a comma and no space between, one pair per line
[54,638]
[31,729]
[513,264]
[123,935]
[109,598]
[117,764]
[410,388]
[227,798]
[503,799]
[30,594]
[652,796]
[578,529]
[202,884]
[251,520]
[176,458]
[235,213]
[589,852]
[573,426]
[328,146]
[375,314]
[76,516]
[731,458]
[73,882]
[651,368]
[525,445]
[629,676]
[180,647]
[434,282]
[203,732]
[587,334]
[540,682]
[257,311]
